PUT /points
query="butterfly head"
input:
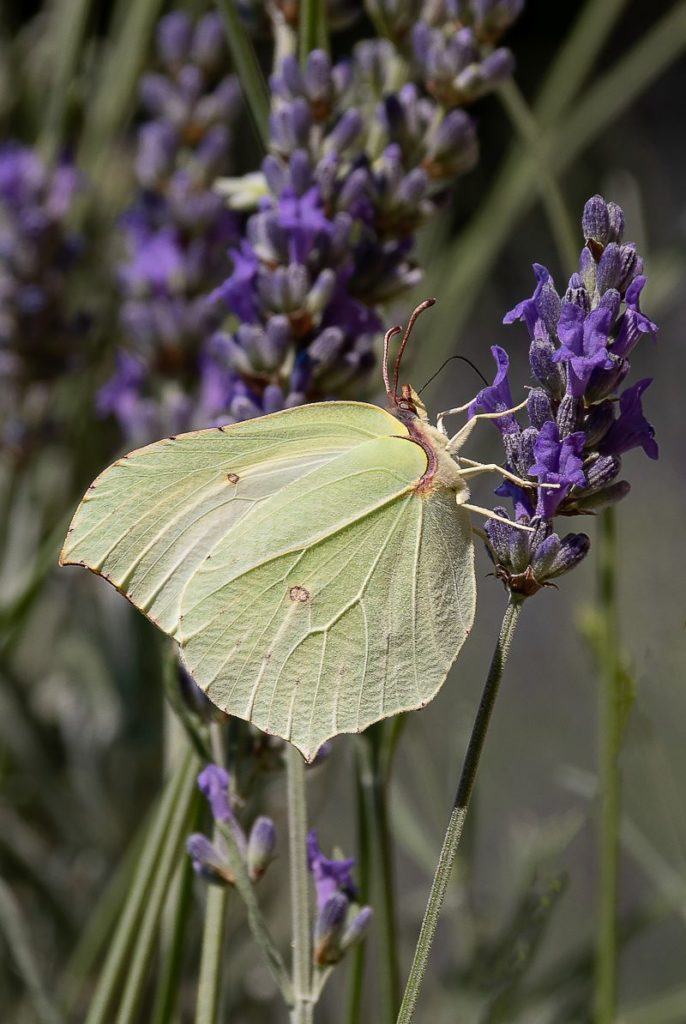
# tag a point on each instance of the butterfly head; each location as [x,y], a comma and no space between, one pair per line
[409,401]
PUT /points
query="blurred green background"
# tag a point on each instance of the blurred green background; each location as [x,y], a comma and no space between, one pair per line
[82,719]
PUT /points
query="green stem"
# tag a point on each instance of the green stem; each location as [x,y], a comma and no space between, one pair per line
[247,69]
[69,23]
[16,933]
[453,833]
[526,125]
[165,865]
[214,930]
[374,781]
[260,932]
[111,105]
[312,33]
[356,977]
[172,954]
[609,778]
[301,914]
[109,982]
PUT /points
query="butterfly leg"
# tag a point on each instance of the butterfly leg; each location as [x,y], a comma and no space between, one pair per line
[474,468]
[458,439]
[488,514]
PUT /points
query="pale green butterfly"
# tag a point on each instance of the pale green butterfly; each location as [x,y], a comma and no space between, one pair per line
[315,566]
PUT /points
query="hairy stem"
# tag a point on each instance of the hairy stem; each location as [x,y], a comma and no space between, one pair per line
[216,899]
[453,833]
[301,1012]
[609,778]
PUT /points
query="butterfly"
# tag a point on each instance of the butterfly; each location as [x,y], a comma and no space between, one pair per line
[315,566]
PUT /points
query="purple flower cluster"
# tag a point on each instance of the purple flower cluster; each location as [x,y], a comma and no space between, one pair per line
[340,921]
[176,236]
[361,155]
[38,251]
[209,858]
[579,427]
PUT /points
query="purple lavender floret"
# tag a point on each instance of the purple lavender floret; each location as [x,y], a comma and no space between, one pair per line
[580,421]
[340,921]
[210,859]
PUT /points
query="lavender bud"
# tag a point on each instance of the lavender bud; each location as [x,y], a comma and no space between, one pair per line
[328,930]
[630,266]
[609,495]
[573,548]
[318,82]
[527,457]
[603,383]
[546,372]
[569,415]
[326,349]
[261,844]
[321,292]
[609,268]
[600,470]
[616,222]
[598,422]
[499,536]
[174,34]
[544,556]
[346,131]
[595,221]
[208,862]
[587,270]
[358,928]
[208,42]
[538,408]
[213,783]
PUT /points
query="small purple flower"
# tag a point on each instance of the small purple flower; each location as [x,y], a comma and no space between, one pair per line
[213,783]
[497,397]
[631,429]
[208,862]
[557,462]
[330,876]
[634,323]
[584,347]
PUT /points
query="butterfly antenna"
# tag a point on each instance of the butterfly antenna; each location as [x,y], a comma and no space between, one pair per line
[388,336]
[426,304]
[444,364]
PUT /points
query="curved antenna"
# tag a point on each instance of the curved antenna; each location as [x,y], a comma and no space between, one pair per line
[391,333]
[426,304]
[445,363]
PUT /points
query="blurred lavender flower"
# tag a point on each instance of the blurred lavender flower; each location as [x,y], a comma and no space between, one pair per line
[39,251]
[210,859]
[580,343]
[167,378]
[360,157]
[340,921]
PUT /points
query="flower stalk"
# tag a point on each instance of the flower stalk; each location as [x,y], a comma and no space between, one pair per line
[453,834]
[301,1012]
[610,722]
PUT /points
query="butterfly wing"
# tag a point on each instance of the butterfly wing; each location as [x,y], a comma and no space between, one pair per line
[311,589]
[150,519]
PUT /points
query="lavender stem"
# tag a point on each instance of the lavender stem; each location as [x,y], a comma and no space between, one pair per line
[455,827]
[302,1009]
